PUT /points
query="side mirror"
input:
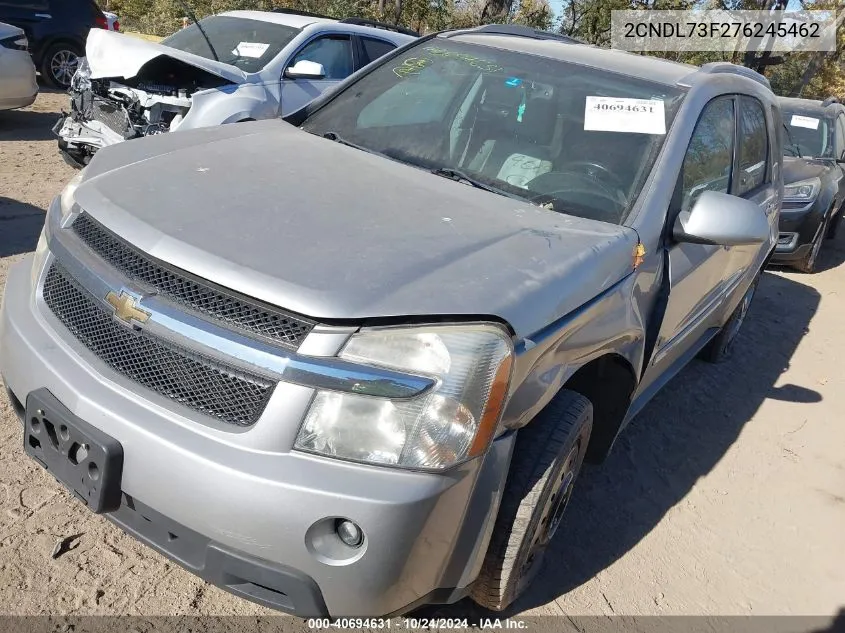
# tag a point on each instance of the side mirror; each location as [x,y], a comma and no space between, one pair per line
[304,69]
[722,219]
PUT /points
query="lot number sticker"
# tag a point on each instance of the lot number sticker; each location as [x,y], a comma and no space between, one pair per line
[804,121]
[613,114]
[250,49]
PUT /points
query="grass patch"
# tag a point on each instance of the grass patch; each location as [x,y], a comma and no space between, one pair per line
[144,36]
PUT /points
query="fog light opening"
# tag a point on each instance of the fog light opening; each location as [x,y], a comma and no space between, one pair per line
[349,533]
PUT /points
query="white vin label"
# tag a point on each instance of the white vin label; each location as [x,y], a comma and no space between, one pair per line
[616,114]
[250,49]
[804,121]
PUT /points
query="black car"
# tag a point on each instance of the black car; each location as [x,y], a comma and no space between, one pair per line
[814,187]
[56,30]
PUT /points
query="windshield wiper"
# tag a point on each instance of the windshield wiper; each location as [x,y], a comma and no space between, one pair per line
[332,136]
[199,26]
[792,141]
[459,176]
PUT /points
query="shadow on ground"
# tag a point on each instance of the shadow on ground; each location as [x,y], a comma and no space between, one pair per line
[677,439]
[20,225]
[27,125]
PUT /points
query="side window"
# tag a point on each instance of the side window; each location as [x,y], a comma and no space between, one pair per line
[839,145]
[709,159]
[373,49]
[753,146]
[333,52]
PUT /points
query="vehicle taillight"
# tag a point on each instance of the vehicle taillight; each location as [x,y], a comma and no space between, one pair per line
[116,25]
[101,22]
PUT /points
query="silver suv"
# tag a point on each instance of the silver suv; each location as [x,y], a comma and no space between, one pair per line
[352,363]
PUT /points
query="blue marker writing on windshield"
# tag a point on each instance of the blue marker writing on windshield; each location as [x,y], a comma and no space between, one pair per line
[513,82]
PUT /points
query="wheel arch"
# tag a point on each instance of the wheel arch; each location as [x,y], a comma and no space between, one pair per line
[58,39]
[608,382]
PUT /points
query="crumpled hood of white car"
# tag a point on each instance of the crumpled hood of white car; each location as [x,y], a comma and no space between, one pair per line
[111,54]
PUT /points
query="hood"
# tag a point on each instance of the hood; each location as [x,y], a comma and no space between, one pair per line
[7,30]
[796,169]
[335,233]
[113,54]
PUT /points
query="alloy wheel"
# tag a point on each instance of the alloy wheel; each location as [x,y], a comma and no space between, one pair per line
[63,66]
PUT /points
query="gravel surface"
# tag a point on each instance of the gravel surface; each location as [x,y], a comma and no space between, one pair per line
[725,496]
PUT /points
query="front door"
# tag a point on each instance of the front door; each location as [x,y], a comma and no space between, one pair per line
[334,52]
[697,271]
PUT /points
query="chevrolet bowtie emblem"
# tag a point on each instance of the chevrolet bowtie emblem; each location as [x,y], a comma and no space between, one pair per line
[125,308]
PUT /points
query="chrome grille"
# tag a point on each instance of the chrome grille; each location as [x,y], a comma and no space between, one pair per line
[202,384]
[251,317]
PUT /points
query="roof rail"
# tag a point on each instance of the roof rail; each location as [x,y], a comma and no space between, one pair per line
[380,25]
[829,101]
[525,31]
[305,13]
[735,69]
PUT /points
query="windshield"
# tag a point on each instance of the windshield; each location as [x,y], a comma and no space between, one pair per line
[246,44]
[809,136]
[511,121]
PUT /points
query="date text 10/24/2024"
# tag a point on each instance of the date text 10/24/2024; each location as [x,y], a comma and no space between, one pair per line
[416,623]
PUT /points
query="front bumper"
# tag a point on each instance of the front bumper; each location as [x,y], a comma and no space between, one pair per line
[247,519]
[80,140]
[798,228]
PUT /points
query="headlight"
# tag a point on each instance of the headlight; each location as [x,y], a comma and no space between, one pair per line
[67,196]
[802,191]
[453,422]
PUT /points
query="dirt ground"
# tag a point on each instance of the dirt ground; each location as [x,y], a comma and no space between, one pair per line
[725,496]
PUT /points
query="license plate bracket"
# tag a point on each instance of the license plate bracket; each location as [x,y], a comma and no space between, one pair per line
[82,457]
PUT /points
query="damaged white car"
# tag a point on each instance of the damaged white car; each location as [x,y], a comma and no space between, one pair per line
[231,67]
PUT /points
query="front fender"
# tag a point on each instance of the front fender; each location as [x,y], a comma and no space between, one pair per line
[218,107]
[607,325]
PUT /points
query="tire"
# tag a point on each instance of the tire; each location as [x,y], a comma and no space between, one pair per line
[59,63]
[547,458]
[808,264]
[719,349]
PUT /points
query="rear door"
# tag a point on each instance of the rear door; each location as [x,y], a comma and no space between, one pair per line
[25,14]
[335,52]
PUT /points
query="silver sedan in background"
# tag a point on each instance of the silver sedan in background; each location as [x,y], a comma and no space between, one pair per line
[18,87]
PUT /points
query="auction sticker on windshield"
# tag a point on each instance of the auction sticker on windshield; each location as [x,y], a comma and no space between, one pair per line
[804,121]
[617,114]
[250,49]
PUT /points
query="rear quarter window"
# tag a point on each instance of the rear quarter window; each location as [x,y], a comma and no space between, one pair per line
[373,49]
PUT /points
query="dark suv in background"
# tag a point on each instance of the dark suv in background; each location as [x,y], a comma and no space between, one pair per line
[56,30]
[814,187]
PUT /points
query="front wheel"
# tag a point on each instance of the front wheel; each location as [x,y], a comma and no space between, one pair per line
[546,461]
[720,347]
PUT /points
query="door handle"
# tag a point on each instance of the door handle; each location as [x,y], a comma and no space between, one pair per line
[46,16]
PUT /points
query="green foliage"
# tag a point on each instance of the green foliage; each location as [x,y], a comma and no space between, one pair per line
[813,75]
